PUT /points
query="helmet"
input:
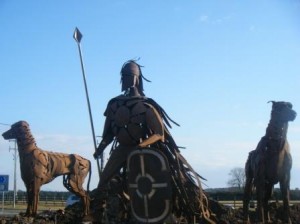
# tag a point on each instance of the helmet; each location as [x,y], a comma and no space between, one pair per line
[131,76]
[131,68]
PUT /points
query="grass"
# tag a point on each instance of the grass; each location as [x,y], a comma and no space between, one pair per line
[55,205]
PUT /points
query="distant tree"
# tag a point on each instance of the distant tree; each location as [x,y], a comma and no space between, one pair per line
[237,178]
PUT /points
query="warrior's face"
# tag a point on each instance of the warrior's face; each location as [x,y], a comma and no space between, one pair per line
[129,81]
[130,76]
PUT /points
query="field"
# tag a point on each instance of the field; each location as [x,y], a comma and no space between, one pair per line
[42,206]
[53,207]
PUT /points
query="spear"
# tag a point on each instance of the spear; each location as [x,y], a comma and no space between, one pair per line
[77,36]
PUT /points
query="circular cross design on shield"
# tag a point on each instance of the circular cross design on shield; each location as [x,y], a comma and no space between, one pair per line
[149,185]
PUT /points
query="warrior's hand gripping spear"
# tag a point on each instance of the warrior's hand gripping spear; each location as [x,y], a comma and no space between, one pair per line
[77,36]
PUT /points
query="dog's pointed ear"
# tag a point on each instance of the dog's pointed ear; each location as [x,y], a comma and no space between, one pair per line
[271,101]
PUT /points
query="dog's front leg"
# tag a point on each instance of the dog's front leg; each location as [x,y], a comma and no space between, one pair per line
[29,192]
[36,192]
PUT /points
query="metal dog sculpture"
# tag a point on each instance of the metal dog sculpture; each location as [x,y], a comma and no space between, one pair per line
[40,167]
[270,163]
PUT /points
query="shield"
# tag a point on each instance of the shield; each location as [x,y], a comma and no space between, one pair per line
[149,185]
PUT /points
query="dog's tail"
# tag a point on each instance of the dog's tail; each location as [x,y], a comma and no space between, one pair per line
[90,174]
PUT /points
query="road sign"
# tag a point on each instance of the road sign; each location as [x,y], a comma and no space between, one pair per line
[4,179]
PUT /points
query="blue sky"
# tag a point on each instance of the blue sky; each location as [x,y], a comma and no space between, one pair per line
[214,65]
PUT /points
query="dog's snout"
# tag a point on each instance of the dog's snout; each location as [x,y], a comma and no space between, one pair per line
[6,135]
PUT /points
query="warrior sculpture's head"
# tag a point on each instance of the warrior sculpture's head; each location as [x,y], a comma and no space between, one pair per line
[132,78]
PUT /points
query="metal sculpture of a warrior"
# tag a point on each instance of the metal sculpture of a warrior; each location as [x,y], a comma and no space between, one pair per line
[137,128]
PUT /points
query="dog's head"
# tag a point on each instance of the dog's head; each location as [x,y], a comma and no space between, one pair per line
[283,111]
[16,131]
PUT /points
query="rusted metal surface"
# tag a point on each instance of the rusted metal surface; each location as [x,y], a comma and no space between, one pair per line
[134,122]
[39,167]
[149,185]
[270,163]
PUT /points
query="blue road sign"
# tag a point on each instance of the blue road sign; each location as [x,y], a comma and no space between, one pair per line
[4,179]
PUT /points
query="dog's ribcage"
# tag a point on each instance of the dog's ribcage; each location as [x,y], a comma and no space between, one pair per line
[47,165]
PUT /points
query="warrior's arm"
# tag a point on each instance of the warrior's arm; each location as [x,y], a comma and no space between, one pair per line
[155,126]
[107,138]
[152,139]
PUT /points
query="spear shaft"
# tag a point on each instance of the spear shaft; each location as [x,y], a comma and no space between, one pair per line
[77,36]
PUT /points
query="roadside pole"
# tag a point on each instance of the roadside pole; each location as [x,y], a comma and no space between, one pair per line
[14,148]
[2,202]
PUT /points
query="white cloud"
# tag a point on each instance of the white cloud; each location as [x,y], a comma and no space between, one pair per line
[65,143]
[213,159]
[203,18]
[222,19]
[206,18]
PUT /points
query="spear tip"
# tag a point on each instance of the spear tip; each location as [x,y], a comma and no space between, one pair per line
[77,35]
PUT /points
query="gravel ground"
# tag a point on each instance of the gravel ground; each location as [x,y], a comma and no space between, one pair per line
[223,214]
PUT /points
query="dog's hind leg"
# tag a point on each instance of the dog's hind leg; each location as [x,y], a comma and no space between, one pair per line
[246,199]
[284,187]
[247,190]
[74,183]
